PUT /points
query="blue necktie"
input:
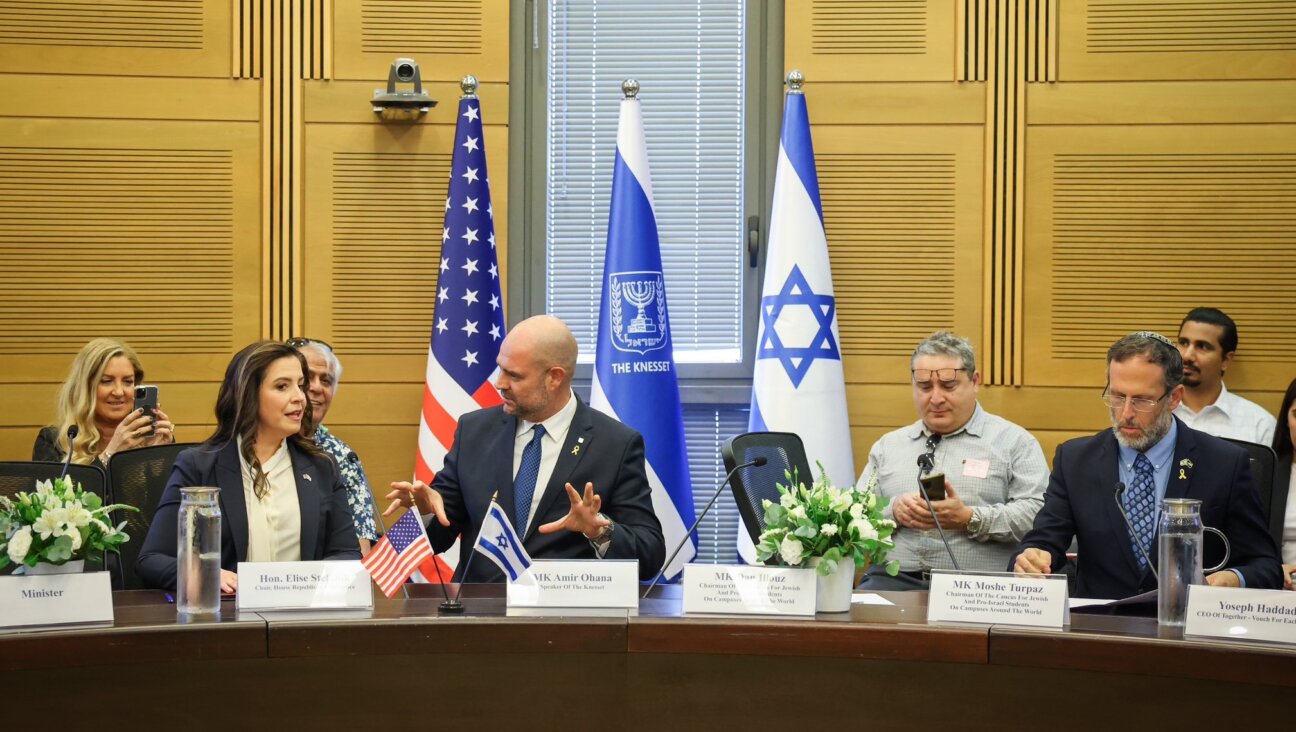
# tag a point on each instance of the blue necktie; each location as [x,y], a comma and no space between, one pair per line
[1139,504]
[524,484]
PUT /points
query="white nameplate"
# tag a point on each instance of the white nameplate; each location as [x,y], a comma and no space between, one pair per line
[303,586]
[1240,614]
[55,599]
[748,590]
[577,583]
[999,599]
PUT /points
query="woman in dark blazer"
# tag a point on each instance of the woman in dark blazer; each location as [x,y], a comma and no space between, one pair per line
[1284,507]
[281,498]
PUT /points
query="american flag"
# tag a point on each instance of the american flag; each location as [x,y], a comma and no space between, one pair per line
[468,323]
[398,554]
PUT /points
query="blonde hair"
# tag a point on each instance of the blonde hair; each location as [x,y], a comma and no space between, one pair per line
[78,398]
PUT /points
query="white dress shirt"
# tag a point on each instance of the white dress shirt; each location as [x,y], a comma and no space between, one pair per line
[1289,523]
[274,521]
[1231,416]
[556,428]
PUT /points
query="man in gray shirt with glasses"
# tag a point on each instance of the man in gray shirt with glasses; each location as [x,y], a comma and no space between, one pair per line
[995,473]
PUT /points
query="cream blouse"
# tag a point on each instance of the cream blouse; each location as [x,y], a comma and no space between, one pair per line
[274,522]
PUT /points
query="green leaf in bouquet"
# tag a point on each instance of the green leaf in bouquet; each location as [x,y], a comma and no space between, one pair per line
[60,550]
[91,501]
[775,514]
[893,567]
[826,567]
[806,529]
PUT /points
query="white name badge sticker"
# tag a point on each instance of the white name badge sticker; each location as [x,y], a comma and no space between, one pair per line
[577,583]
[304,586]
[999,599]
[55,599]
[1240,614]
[748,590]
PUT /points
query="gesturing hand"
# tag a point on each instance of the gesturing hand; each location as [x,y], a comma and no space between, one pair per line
[584,515]
[417,494]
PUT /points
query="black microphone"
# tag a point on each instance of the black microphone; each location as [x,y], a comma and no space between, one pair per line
[926,462]
[754,463]
[72,432]
[1120,491]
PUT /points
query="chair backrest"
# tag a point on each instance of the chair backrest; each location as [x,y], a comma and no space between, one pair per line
[1264,462]
[17,476]
[783,452]
[21,475]
[139,477]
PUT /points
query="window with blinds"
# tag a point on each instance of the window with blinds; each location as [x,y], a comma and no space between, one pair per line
[706,427]
[688,56]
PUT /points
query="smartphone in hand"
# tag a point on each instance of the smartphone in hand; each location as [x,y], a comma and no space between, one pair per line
[934,484]
[146,398]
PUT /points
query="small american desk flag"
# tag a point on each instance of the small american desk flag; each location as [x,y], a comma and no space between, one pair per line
[398,554]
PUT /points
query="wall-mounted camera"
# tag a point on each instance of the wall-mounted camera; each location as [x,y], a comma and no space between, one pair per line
[397,104]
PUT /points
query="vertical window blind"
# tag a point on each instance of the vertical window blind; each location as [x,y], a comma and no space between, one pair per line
[706,427]
[688,56]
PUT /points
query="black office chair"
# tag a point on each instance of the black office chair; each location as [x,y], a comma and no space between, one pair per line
[1264,462]
[22,475]
[138,479]
[17,476]
[783,452]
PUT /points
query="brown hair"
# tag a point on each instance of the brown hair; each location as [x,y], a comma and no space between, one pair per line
[238,406]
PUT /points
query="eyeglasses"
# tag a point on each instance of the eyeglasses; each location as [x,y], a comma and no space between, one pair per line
[1117,402]
[924,376]
[297,342]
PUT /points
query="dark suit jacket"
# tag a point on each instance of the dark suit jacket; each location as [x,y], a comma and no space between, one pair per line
[1081,502]
[326,528]
[610,455]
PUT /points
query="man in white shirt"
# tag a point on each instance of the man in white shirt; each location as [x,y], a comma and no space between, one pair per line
[1208,341]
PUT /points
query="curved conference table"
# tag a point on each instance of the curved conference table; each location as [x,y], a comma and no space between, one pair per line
[651,670]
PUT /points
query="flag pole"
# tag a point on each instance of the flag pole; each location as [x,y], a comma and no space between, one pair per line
[468,563]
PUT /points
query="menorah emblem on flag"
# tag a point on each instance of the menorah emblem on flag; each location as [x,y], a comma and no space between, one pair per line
[638,311]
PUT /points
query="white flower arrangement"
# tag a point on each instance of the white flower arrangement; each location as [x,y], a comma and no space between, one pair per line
[826,522]
[59,523]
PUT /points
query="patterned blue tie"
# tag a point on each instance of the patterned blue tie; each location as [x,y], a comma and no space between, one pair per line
[524,484]
[1139,504]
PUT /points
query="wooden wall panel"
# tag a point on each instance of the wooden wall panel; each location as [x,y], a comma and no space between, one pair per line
[872,40]
[375,199]
[449,38]
[1132,227]
[1109,40]
[180,38]
[126,229]
[902,212]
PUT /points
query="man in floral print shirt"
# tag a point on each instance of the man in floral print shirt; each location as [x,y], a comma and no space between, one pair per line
[325,370]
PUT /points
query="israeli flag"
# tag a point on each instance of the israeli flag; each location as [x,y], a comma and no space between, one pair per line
[500,543]
[634,365]
[798,384]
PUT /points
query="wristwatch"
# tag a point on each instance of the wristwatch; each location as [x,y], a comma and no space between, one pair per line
[605,534]
[974,523]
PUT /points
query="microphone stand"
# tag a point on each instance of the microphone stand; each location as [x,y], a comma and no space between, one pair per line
[72,432]
[1120,493]
[754,463]
[925,465]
